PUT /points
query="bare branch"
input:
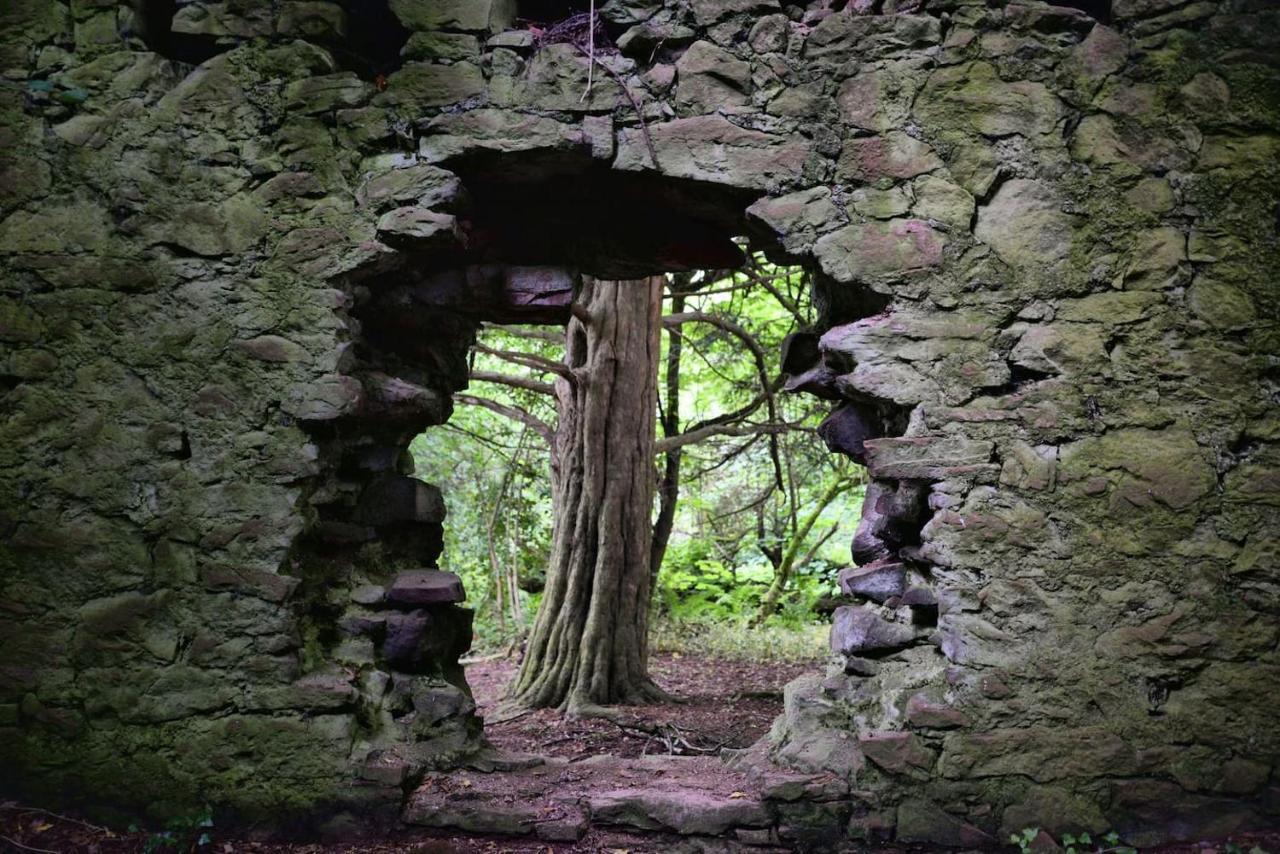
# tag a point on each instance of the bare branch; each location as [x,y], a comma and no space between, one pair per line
[514,382]
[515,414]
[761,360]
[692,436]
[531,334]
[526,360]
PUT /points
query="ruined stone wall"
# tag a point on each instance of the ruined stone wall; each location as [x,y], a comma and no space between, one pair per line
[1046,250]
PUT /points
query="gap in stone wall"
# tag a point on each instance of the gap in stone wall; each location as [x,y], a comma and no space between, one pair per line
[375,39]
[1099,10]
[552,11]
[528,224]
[155,23]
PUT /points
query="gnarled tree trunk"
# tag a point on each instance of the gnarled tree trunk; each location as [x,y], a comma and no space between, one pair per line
[589,645]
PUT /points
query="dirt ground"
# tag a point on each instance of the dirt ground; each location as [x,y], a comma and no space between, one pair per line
[726,704]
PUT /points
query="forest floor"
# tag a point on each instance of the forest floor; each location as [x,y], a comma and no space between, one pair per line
[723,704]
[658,760]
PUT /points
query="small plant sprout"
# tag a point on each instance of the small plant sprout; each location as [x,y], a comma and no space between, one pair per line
[1077,843]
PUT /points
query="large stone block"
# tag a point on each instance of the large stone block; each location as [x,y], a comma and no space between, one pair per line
[710,78]
[396,499]
[925,458]
[925,823]
[711,148]
[857,630]
[879,249]
[425,587]
[1026,225]
[421,85]
[892,156]
[878,581]
[974,95]
[467,15]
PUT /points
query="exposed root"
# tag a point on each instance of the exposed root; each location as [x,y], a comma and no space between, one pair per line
[673,738]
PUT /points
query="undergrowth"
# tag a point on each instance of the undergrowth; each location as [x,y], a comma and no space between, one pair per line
[739,641]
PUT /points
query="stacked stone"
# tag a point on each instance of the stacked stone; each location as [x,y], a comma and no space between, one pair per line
[1044,251]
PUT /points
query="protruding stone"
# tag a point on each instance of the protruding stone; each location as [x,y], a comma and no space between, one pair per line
[405,644]
[877,581]
[394,499]
[419,229]
[923,822]
[925,714]
[855,629]
[384,767]
[846,429]
[425,587]
[896,752]
[434,701]
[855,666]
[711,148]
[891,517]
[919,597]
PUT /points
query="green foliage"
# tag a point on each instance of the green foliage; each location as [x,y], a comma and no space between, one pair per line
[738,640]
[743,496]
[694,585]
[192,832]
[1072,843]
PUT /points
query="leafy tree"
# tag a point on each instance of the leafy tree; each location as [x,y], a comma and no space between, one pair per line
[724,430]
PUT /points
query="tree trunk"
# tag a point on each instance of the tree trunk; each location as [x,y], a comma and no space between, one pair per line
[589,645]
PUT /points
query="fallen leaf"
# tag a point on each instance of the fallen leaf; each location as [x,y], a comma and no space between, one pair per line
[738,795]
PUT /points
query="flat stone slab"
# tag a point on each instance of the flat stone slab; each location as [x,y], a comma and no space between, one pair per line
[562,800]
[878,581]
[686,812]
[425,587]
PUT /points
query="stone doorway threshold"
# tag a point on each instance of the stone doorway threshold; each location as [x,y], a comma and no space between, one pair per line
[677,801]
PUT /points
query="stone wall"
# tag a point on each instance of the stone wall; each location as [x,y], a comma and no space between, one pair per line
[1046,250]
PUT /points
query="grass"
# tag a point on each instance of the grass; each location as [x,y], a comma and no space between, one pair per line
[739,641]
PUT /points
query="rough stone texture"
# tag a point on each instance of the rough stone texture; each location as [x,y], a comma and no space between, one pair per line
[236,282]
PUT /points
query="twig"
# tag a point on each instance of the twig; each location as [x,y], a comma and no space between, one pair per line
[635,105]
[60,817]
[591,65]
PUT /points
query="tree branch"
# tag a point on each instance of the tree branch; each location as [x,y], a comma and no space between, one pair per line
[526,360]
[531,334]
[514,382]
[535,424]
[691,436]
[757,352]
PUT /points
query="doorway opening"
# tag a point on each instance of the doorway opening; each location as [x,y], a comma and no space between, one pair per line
[750,525]
[450,332]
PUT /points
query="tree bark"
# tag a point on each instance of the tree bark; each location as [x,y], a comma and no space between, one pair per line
[589,645]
